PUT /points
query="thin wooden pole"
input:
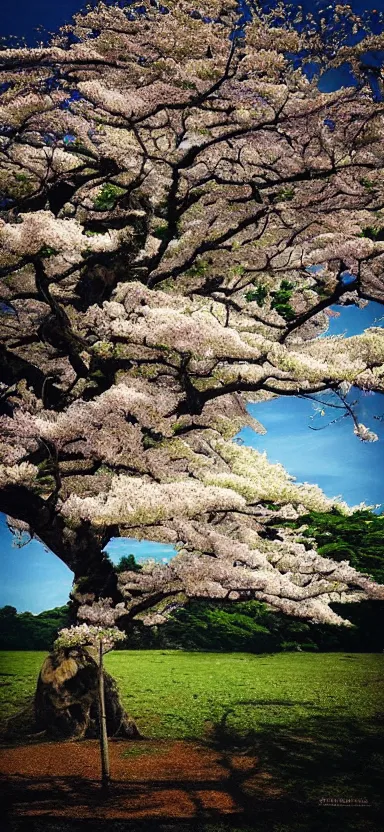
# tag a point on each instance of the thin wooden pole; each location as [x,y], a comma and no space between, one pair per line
[104,753]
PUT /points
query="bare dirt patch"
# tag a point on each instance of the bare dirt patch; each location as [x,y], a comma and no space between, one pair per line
[150,779]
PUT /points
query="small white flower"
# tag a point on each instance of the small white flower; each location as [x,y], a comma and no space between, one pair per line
[364,433]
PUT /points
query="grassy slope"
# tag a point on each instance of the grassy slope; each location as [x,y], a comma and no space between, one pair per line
[176,694]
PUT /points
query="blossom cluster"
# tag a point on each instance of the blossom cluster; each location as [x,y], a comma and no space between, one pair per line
[102,612]
[34,231]
[133,502]
[84,635]
[286,577]
[364,433]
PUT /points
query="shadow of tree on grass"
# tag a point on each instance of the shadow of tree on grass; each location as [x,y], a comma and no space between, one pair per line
[330,763]
[315,772]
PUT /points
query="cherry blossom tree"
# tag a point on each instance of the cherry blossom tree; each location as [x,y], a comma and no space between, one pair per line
[181,209]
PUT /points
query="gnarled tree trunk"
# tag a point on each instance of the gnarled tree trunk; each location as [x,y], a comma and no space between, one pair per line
[66,699]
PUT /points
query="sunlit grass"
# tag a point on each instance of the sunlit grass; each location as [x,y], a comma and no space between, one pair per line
[173,694]
[177,694]
[18,676]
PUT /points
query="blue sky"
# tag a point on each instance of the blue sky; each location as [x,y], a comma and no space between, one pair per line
[333,458]
[31,578]
[353,320]
[22,17]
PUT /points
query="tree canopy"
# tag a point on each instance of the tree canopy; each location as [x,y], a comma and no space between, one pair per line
[181,209]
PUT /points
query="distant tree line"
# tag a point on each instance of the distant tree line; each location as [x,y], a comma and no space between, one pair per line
[250,626]
[25,631]
[222,627]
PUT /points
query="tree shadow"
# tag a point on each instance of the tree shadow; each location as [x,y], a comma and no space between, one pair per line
[161,804]
[326,766]
[317,772]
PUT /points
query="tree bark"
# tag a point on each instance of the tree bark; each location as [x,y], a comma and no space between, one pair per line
[67,698]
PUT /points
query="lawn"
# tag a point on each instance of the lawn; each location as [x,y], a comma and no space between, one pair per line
[310,726]
[177,694]
[18,676]
[173,694]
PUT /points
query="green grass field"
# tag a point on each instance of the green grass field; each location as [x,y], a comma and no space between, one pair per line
[176,694]
[173,694]
[313,722]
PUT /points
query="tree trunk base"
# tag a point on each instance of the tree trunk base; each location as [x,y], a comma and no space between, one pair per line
[66,699]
